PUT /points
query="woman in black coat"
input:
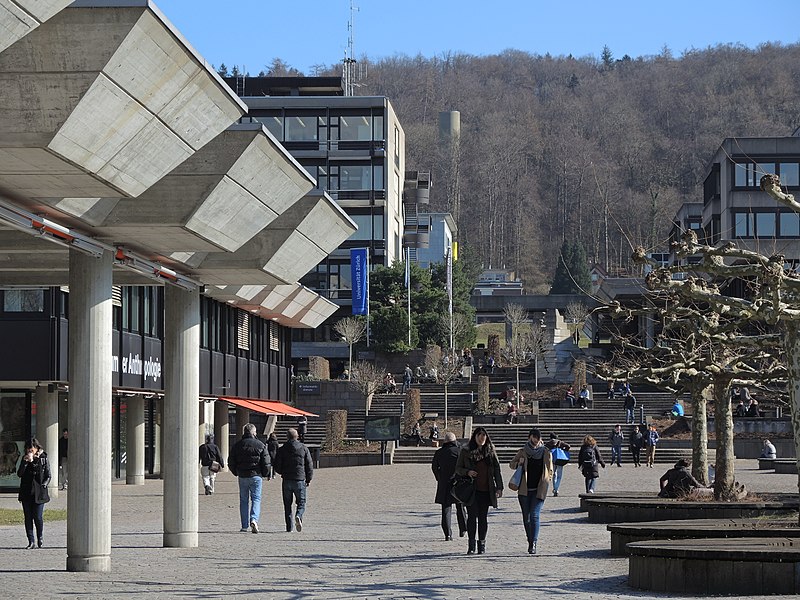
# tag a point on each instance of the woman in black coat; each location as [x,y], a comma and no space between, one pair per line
[589,462]
[34,474]
[444,467]
[479,461]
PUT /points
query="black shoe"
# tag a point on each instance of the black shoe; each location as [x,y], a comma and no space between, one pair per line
[471,547]
[532,548]
[555,493]
[448,538]
[30,546]
[481,546]
[462,533]
[39,543]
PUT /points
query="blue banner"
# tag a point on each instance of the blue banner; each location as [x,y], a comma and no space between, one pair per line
[359,273]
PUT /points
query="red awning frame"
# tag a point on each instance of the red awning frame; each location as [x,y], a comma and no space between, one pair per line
[268,407]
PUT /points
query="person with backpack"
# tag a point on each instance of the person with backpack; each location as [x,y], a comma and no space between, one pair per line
[589,461]
[617,438]
[560,458]
[536,463]
[629,404]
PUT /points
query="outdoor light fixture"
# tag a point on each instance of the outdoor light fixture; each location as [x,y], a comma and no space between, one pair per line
[125,259]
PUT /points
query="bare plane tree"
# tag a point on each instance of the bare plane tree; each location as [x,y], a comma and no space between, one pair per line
[352,330]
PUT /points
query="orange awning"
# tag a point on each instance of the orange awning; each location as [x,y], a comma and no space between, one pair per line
[268,407]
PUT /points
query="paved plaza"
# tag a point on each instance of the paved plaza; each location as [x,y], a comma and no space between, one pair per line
[369,532]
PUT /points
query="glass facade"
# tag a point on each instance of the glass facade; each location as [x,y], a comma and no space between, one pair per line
[766,224]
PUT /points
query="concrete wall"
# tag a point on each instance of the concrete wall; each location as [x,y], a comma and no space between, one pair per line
[758,425]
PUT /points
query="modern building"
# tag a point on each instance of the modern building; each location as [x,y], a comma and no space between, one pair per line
[354,148]
[735,208]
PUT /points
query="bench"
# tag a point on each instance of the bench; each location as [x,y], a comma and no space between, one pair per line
[786,466]
[626,533]
[766,464]
[637,510]
[733,566]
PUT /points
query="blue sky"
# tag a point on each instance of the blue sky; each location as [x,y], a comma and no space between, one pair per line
[310,32]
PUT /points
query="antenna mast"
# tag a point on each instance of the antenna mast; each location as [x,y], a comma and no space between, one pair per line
[348,68]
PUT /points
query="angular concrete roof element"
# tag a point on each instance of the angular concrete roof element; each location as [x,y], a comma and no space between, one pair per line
[19,17]
[285,250]
[105,101]
[219,198]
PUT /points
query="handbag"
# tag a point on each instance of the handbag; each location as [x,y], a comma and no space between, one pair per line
[560,456]
[215,467]
[463,490]
[516,479]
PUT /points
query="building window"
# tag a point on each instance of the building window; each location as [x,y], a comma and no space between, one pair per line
[748,175]
[765,224]
[790,224]
[274,125]
[397,147]
[301,128]
[759,224]
[23,301]
[274,338]
[743,225]
[355,128]
[377,128]
[242,330]
[790,174]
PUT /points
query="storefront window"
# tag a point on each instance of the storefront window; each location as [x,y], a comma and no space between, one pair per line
[14,430]
[25,301]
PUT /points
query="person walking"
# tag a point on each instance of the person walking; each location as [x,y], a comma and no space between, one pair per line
[407,375]
[651,439]
[617,438]
[272,449]
[249,461]
[635,445]
[479,461]
[293,462]
[209,455]
[302,426]
[589,461]
[629,404]
[444,467]
[63,448]
[537,471]
[34,474]
[558,463]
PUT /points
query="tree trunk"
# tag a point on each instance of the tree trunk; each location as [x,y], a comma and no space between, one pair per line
[700,396]
[519,392]
[791,345]
[724,483]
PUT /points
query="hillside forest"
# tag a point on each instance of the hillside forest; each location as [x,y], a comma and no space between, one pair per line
[597,150]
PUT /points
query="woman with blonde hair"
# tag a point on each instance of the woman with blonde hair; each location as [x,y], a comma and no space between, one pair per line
[536,461]
[588,460]
[478,460]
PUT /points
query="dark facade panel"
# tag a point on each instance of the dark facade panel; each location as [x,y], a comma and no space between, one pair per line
[252,375]
[242,378]
[218,385]
[263,380]
[205,372]
[274,390]
[231,381]
[24,352]
[283,384]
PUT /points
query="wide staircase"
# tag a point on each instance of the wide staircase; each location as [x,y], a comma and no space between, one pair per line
[571,425]
[459,401]
[315,431]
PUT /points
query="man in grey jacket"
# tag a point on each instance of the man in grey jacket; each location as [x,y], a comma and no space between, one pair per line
[249,461]
[293,462]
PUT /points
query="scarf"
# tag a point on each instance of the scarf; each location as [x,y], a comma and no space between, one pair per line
[481,452]
[534,452]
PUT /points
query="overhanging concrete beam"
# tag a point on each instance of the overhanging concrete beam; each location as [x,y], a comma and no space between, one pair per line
[19,17]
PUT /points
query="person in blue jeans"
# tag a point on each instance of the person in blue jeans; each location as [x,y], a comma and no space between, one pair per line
[293,462]
[617,438]
[249,461]
[536,462]
[558,465]
[589,462]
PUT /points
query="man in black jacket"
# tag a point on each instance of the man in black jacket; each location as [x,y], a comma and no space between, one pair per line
[293,462]
[443,467]
[249,461]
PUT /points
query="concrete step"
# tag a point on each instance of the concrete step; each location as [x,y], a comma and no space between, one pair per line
[424,455]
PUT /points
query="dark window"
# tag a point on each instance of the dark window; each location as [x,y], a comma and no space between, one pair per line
[790,224]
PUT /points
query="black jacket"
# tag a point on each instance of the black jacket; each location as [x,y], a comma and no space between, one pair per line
[249,458]
[272,449]
[444,467]
[587,468]
[210,452]
[293,461]
[35,477]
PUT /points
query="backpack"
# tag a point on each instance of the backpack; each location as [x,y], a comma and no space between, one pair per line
[587,457]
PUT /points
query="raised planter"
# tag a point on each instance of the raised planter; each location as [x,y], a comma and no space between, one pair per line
[786,466]
[637,510]
[352,460]
[742,567]
[626,533]
[584,498]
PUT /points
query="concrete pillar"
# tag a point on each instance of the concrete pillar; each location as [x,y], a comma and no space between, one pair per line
[89,499]
[134,472]
[222,428]
[242,419]
[48,431]
[181,394]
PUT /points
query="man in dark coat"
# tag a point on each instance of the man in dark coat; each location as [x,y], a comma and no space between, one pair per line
[443,467]
[678,481]
[293,462]
[209,454]
[249,461]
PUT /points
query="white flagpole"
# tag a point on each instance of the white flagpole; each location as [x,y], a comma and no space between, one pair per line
[408,291]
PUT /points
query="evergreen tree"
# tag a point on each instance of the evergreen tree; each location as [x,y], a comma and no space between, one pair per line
[562,283]
[607,58]
[580,269]
[223,70]
[572,272]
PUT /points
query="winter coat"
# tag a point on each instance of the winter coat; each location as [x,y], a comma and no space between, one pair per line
[35,477]
[617,438]
[465,464]
[636,441]
[272,449]
[444,467]
[630,402]
[293,462]
[589,471]
[210,452]
[521,458]
[249,458]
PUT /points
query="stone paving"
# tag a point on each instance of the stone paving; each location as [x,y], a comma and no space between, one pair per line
[369,532]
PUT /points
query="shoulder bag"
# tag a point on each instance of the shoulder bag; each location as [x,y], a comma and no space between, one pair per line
[560,456]
[215,467]
[463,489]
[516,478]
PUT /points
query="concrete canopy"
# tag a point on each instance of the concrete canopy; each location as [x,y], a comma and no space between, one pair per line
[103,100]
[19,17]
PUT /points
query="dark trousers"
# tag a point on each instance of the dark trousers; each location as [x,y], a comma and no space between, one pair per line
[636,455]
[293,490]
[446,519]
[477,514]
[34,516]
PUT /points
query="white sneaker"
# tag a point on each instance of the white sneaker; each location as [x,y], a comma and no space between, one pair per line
[253,526]
[298,524]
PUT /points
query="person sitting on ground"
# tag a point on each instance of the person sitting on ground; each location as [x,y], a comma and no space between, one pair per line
[752,408]
[740,410]
[769,450]
[677,409]
[570,396]
[678,481]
